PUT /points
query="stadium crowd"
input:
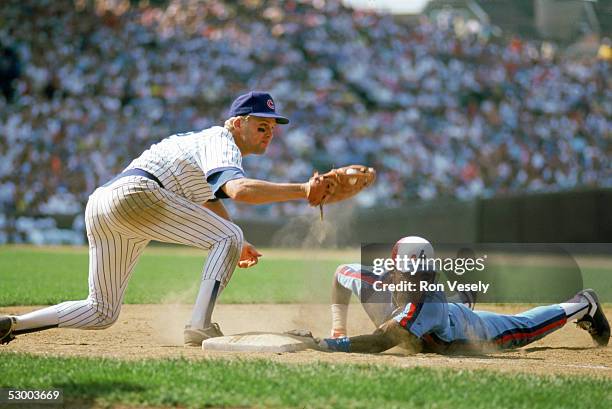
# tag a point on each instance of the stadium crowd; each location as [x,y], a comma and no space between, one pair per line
[441,108]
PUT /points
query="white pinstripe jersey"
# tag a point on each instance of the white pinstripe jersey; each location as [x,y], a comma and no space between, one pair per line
[182,162]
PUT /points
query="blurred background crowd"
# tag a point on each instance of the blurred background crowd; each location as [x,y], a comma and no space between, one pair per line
[441,107]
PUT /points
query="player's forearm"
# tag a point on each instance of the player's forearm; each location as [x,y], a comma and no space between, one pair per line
[218,208]
[255,191]
[371,343]
[388,335]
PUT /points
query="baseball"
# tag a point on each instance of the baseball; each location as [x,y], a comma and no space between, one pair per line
[352,181]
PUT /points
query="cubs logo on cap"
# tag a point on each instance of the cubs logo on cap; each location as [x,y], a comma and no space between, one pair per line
[256,103]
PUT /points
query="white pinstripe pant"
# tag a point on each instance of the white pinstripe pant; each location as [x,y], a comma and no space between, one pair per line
[121,219]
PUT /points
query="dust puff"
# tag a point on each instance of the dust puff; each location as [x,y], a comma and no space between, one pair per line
[309,233]
[175,313]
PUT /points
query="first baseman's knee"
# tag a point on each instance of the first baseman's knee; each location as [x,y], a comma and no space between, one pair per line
[103,316]
[233,232]
[239,236]
[236,237]
[104,321]
[231,240]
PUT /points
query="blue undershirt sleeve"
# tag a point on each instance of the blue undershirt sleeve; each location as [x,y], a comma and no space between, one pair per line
[216,180]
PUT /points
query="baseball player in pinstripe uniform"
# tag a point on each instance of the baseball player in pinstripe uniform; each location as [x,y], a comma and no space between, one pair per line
[431,323]
[171,194]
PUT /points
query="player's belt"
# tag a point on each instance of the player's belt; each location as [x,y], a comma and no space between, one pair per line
[135,172]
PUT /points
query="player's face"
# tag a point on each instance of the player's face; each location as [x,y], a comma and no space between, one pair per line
[401,298]
[258,133]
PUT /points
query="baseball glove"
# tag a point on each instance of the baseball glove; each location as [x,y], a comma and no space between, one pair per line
[339,184]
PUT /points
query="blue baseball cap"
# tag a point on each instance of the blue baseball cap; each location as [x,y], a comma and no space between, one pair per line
[256,103]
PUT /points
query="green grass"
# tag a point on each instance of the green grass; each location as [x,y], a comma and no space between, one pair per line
[32,276]
[35,276]
[45,276]
[261,383]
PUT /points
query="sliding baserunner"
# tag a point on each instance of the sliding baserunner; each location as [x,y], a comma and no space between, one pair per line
[428,322]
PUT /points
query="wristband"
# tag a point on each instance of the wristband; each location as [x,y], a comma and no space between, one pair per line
[339,344]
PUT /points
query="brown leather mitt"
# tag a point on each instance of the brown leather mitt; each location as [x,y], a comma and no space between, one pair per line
[339,184]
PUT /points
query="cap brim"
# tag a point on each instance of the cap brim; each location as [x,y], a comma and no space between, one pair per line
[279,119]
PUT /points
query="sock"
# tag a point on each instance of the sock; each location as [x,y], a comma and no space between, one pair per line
[37,320]
[576,308]
[205,304]
[339,315]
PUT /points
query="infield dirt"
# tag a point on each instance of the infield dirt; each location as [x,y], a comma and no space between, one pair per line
[155,331]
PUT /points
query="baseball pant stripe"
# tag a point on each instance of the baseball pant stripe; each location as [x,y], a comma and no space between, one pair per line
[529,326]
[363,276]
[121,219]
[106,272]
[171,211]
[524,337]
[211,227]
[92,313]
[156,218]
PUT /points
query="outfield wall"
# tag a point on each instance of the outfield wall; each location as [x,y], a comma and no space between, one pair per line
[567,217]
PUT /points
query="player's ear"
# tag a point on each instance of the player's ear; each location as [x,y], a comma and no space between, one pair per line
[241,121]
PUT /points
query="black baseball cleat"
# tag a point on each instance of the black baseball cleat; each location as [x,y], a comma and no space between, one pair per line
[595,322]
[6,329]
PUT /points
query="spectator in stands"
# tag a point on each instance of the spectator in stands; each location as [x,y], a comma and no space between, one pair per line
[440,108]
